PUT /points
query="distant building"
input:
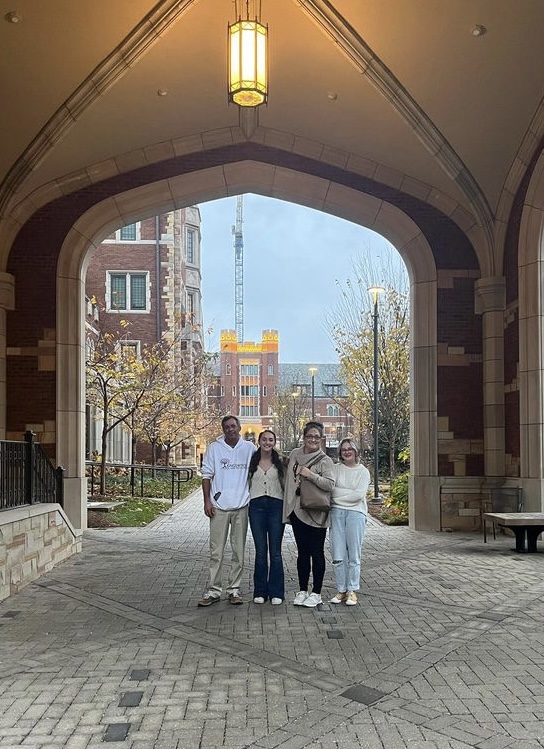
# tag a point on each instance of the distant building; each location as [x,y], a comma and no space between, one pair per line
[148,273]
[252,384]
[329,394]
[247,378]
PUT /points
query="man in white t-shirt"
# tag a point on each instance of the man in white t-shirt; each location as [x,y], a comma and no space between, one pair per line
[226,499]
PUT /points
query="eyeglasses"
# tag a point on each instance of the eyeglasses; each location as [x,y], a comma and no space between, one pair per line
[312,437]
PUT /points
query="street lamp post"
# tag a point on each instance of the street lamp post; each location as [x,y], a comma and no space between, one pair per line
[294,396]
[313,371]
[375,292]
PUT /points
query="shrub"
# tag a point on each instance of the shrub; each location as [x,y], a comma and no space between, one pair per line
[396,504]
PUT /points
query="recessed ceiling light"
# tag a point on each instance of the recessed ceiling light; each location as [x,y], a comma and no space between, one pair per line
[332,96]
[478,30]
[162,92]
[13,17]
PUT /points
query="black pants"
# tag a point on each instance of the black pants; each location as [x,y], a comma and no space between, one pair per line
[311,553]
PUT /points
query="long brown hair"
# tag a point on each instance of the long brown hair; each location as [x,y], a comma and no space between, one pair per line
[276,459]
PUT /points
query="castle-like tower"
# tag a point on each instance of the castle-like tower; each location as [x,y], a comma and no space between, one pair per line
[248,378]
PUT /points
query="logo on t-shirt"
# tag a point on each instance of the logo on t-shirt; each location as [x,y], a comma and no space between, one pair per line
[225,463]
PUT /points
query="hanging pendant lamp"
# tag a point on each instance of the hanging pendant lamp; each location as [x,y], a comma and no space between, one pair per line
[248,61]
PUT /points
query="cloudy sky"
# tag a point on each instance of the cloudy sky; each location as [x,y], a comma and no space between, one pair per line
[292,259]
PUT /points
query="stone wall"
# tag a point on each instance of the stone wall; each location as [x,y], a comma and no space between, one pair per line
[33,539]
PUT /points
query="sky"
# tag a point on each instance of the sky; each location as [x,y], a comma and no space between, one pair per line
[283,245]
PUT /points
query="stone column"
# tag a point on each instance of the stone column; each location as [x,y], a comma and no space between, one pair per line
[71,396]
[531,355]
[7,301]
[424,481]
[490,302]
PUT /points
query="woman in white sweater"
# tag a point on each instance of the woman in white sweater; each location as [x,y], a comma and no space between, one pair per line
[348,519]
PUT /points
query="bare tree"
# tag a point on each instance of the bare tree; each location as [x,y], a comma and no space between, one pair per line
[291,409]
[350,325]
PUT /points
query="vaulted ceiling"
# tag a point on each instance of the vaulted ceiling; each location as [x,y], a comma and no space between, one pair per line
[401,88]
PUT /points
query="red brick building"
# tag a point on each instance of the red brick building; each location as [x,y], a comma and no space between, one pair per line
[247,378]
[148,274]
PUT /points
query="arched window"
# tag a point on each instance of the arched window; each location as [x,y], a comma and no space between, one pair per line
[333,410]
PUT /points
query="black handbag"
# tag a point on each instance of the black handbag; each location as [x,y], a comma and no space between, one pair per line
[312,497]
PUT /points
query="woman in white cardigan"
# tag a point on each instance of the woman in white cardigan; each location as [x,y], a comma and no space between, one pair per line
[348,518]
[266,481]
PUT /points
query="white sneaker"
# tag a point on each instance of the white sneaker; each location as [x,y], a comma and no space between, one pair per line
[300,597]
[258,599]
[314,599]
[276,601]
[340,597]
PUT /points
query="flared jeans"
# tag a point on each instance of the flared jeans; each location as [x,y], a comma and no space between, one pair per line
[265,520]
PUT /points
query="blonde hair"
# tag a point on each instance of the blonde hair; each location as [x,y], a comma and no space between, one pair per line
[352,444]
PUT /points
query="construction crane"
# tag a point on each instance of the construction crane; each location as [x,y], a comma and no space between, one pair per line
[238,233]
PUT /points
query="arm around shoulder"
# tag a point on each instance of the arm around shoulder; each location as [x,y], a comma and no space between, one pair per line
[323,475]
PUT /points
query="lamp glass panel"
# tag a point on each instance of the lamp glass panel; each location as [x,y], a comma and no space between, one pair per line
[248,63]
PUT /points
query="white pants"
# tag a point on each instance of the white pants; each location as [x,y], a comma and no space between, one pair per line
[346,535]
[225,524]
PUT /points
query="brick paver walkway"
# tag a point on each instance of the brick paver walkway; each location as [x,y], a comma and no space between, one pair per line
[445,650]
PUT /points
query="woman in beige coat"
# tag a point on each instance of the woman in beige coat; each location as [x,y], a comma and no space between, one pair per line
[309,526]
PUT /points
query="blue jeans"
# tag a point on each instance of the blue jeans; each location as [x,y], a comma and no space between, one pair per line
[346,537]
[265,520]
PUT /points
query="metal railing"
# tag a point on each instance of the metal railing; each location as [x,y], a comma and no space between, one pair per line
[27,476]
[137,474]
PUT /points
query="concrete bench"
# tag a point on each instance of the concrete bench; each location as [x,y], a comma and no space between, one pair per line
[522,524]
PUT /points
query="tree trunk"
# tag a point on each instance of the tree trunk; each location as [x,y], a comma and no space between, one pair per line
[104,443]
[392,463]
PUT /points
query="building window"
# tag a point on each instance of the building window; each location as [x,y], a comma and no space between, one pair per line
[190,246]
[222,390]
[270,369]
[333,410]
[249,370]
[265,391]
[130,349]
[234,389]
[191,306]
[227,369]
[249,411]
[249,390]
[127,292]
[128,233]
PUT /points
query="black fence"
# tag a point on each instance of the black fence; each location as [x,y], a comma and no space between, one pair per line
[27,476]
[138,477]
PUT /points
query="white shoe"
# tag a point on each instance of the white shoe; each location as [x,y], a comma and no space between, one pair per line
[351,598]
[314,599]
[276,601]
[300,597]
[258,599]
[340,597]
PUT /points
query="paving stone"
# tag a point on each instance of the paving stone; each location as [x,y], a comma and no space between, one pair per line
[365,695]
[444,652]
[131,699]
[116,732]
[140,674]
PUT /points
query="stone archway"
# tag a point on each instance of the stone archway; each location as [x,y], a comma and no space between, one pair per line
[272,181]
[531,341]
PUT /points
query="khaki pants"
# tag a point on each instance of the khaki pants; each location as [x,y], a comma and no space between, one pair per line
[227,523]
